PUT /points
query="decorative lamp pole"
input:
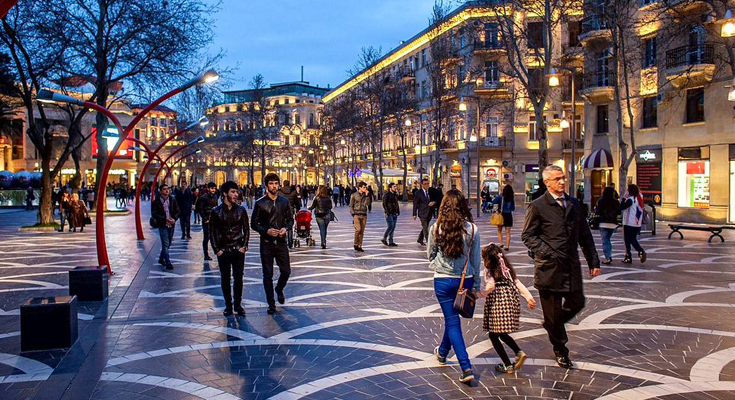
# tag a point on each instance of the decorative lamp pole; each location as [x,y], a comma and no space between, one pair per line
[49,96]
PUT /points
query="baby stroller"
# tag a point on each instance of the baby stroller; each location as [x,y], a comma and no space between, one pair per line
[303,229]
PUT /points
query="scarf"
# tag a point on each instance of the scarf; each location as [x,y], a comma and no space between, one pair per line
[504,268]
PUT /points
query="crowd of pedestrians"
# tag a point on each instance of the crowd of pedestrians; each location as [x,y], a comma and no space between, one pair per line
[555,227]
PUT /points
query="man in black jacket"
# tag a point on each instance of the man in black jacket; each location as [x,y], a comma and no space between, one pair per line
[291,194]
[422,208]
[391,210]
[230,233]
[204,205]
[272,217]
[185,200]
[554,229]
[164,213]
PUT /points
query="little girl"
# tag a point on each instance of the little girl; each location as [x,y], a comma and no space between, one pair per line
[502,308]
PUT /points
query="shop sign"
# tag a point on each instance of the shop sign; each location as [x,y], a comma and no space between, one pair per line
[455,171]
[532,168]
[649,156]
[123,152]
[491,173]
[648,176]
[695,168]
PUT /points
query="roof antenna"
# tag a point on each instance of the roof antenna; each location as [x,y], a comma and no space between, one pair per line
[302,73]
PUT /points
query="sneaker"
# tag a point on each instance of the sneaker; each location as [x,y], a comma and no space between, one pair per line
[385,242]
[627,259]
[442,359]
[467,376]
[207,258]
[324,246]
[505,369]
[227,312]
[643,256]
[391,244]
[359,250]
[607,261]
[564,362]
[272,310]
[520,359]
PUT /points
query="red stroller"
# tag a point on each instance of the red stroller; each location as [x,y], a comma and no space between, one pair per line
[303,229]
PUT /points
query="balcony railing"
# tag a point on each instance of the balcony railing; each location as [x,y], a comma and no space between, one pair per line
[567,144]
[405,73]
[594,22]
[494,141]
[494,85]
[690,55]
[489,45]
[599,80]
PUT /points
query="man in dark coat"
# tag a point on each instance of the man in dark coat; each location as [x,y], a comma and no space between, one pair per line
[204,205]
[422,208]
[185,200]
[392,210]
[554,229]
[290,193]
[164,213]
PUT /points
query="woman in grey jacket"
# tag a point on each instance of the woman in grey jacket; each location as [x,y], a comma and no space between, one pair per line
[452,239]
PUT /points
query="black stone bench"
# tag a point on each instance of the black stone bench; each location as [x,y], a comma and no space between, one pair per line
[89,283]
[48,323]
[715,231]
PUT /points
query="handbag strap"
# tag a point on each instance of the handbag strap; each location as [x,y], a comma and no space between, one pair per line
[467,260]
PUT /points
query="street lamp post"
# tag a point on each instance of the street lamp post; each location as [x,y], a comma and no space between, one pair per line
[170,168]
[198,140]
[49,96]
[203,121]
[554,82]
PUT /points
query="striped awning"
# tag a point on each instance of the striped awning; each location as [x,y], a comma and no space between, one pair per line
[598,159]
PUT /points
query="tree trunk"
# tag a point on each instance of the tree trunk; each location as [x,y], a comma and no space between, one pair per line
[45,211]
[405,168]
[543,155]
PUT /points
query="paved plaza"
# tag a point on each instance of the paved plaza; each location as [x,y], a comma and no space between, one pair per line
[358,326]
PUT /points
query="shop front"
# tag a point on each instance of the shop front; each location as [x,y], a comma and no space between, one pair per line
[491,179]
[600,165]
[455,175]
[694,178]
[531,176]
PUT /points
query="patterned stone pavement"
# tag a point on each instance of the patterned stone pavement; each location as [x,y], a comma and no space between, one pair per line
[358,326]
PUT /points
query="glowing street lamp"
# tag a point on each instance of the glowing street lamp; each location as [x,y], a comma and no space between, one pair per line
[408,122]
[564,124]
[728,28]
[553,78]
[462,104]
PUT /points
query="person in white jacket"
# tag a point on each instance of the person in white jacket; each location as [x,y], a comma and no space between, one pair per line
[502,308]
[632,208]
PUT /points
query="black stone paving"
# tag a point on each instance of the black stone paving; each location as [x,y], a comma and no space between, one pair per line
[349,313]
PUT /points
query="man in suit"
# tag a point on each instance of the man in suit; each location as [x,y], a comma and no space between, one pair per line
[422,208]
[554,228]
[185,200]
[436,195]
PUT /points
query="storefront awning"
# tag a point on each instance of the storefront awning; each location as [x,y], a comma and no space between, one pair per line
[598,159]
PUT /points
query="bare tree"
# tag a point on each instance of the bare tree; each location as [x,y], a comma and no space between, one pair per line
[143,43]
[400,104]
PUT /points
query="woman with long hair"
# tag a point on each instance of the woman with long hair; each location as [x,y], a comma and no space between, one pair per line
[632,208]
[506,205]
[322,206]
[454,242]
[607,211]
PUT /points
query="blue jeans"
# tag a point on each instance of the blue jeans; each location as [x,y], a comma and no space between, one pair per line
[446,290]
[607,235]
[167,236]
[391,220]
[323,223]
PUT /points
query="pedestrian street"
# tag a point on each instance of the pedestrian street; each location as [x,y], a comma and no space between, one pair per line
[359,326]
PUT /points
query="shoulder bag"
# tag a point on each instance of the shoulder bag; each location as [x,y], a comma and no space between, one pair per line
[464,302]
[497,217]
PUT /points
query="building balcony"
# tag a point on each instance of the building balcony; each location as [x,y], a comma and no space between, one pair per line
[595,30]
[488,48]
[452,56]
[686,7]
[690,65]
[573,53]
[566,144]
[599,88]
[405,74]
[494,89]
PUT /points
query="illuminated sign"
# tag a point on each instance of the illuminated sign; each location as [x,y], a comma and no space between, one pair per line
[648,156]
[123,152]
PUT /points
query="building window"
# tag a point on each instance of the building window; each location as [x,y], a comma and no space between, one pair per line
[424,90]
[154,121]
[694,182]
[602,119]
[533,133]
[297,119]
[311,120]
[649,52]
[574,28]
[492,74]
[535,35]
[423,57]
[491,128]
[695,105]
[650,114]
[491,35]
